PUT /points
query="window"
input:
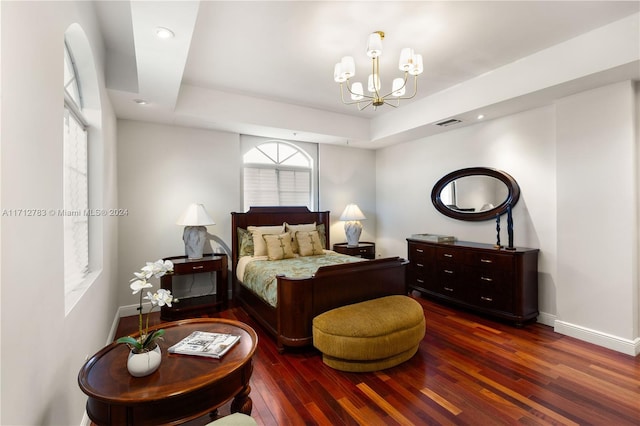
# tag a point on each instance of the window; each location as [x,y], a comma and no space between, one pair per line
[75,181]
[278,173]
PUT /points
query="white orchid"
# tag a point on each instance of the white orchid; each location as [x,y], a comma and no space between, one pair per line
[138,285]
[145,341]
[160,298]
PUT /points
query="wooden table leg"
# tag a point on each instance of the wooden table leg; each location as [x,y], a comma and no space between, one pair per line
[242,403]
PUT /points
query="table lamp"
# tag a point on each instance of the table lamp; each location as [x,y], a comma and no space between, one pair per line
[194,220]
[352,215]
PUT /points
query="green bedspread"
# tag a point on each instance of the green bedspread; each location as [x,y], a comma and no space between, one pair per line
[260,275]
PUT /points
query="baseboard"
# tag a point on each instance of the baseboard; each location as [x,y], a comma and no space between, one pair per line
[618,344]
[546,319]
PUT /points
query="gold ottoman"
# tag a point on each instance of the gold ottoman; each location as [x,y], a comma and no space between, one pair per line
[371,335]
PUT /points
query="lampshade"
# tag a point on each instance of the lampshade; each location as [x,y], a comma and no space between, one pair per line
[357,91]
[195,215]
[352,212]
[374,45]
[348,66]
[398,87]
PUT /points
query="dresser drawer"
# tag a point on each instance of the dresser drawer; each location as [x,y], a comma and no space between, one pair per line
[450,254]
[490,297]
[489,260]
[420,254]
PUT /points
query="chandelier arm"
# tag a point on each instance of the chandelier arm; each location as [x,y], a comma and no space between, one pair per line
[354,102]
[406,74]
[415,88]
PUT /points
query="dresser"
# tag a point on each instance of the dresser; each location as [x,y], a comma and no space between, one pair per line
[497,282]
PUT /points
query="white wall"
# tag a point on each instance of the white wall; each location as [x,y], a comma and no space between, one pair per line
[566,163]
[347,176]
[42,349]
[597,213]
[161,170]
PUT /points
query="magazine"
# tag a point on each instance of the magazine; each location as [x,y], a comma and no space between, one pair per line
[202,343]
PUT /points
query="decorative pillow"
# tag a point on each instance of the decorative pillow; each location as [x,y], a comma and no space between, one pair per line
[278,246]
[259,246]
[307,227]
[245,242]
[323,237]
[309,243]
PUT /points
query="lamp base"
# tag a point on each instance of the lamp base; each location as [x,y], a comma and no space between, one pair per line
[194,238]
[352,229]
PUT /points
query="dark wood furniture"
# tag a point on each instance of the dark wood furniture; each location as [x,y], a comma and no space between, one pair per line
[499,282]
[363,249]
[301,299]
[183,388]
[197,304]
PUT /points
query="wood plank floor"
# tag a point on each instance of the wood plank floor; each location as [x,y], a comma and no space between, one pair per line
[469,370]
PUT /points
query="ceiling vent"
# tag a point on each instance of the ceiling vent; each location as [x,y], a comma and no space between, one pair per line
[450,122]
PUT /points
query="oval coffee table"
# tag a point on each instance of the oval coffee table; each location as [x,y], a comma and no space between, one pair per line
[185,387]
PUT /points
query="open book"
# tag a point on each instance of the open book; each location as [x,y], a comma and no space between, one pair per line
[202,343]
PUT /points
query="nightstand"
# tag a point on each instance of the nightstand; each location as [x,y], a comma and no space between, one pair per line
[363,249]
[199,284]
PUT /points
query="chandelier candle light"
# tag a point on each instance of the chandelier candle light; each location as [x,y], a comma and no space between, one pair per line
[194,220]
[352,215]
[410,63]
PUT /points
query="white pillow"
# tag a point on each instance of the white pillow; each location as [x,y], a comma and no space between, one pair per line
[259,245]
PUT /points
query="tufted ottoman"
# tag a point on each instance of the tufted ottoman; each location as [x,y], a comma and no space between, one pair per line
[371,335]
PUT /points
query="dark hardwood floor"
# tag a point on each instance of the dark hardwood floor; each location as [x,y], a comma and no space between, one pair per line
[469,371]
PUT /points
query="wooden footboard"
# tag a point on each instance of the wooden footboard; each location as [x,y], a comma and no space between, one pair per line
[300,300]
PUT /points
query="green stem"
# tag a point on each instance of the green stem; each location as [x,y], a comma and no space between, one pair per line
[140,316]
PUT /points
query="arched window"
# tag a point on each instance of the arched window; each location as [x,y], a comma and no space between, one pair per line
[75,180]
[83,168]
[278,173]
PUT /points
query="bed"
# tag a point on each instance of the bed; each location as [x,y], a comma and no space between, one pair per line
[299,299]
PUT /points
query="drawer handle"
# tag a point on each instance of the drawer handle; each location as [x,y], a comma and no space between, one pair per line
[420,250]
[420,281]
[486,299]
[447,255]
[448,271]
[486,260]
[486,279]
[197,267]
[448,288]
[419,265]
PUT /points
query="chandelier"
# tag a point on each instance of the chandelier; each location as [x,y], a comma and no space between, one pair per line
[410,63]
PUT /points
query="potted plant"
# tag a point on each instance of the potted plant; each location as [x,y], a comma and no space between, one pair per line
[144,357]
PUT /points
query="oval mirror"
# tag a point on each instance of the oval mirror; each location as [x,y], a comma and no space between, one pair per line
[475,193]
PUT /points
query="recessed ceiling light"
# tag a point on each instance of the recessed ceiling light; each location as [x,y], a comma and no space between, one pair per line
[480,117]
[164,33]
[140,101]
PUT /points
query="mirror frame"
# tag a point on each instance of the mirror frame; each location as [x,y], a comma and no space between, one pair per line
[512,197]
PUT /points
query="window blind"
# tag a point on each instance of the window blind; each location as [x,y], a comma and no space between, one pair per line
[75,202]
[276,187]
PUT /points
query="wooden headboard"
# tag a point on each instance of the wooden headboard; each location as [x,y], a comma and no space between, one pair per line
[266,216]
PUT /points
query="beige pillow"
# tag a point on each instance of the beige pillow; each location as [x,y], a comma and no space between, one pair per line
[259,245]
[309,243]
[278,246]
[307,227]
